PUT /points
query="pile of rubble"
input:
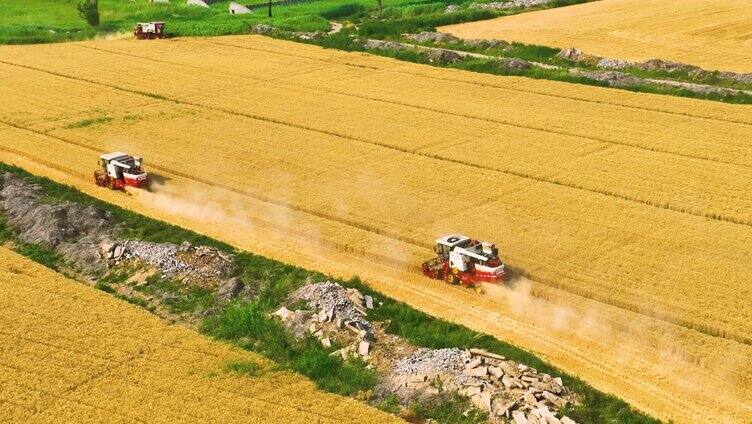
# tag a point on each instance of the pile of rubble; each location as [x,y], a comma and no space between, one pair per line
[511,4]
[605,63]
[198,261]
[338,309]
[73,230]
[503,388]
[431,36]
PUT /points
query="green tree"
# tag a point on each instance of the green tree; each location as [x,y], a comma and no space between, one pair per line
[89,10]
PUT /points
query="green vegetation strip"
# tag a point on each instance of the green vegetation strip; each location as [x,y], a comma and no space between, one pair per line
[248,324]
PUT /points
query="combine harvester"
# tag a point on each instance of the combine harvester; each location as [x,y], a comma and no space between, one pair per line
[120,170]
[462,260]
[149,30]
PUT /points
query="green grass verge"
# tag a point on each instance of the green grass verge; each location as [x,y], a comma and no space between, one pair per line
[247,324]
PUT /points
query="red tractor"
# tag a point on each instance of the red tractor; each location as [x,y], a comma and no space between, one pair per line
[120,170]
[462,260]
[149,30]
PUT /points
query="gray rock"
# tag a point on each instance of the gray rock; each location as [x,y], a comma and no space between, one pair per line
[443,56]
[329,296]
[382,45]
[514,65]
[511,4]
[613,64]
[433,37]
[75,231]
[230,289]
[262,29]
[662,65]
[452,8]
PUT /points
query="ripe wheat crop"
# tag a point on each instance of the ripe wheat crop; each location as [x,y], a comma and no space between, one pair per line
[72,354]
[712,34]
[635,208]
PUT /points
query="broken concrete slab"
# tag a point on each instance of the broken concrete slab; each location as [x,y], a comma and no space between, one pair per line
[485,354]
[519,418]
[476,372]
[283,313]
[363,348]
[199,3]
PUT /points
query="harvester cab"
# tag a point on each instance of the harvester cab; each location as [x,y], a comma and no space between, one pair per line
[119,170]
[149,30]
[462,260]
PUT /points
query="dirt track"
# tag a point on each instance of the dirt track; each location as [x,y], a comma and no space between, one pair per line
[658,364]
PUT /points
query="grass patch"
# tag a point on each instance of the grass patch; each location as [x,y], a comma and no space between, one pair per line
[248,325]
[176,297]
[247,368]
[104,287]
[89,122]
[451,409]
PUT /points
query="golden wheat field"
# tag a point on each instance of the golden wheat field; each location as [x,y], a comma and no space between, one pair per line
[69,353]
[630,213]
[712,34]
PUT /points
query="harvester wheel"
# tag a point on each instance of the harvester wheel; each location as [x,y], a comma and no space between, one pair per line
[452,279]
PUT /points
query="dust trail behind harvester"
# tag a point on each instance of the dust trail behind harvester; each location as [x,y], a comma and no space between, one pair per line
[582,321]
[588,320]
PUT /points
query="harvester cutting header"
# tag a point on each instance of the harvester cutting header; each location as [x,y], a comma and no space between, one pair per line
[120,170]
[462,260]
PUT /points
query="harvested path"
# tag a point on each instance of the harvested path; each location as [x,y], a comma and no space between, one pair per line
[71,353]
[343,163]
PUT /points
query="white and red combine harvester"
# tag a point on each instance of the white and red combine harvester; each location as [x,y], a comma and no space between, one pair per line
[462,260]
[149,30]
[119,169]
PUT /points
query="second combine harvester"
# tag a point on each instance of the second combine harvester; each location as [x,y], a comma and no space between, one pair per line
[462,260]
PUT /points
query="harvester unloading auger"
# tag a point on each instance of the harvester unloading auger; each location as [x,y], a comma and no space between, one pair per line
[462,260]
[119,170]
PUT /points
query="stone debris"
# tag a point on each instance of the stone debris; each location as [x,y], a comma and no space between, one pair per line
[238,9]
[171,259]
[262,29]
[666,66]
[514,65]
[503,388]
[577,55]
[339,312]
[442,56]
[612,78]
[486,44]
[382,45]
[307,35]
[337,301]
[432,37]
[229,289]
[511,4]
[452,8]
[71,229]
[613,64]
